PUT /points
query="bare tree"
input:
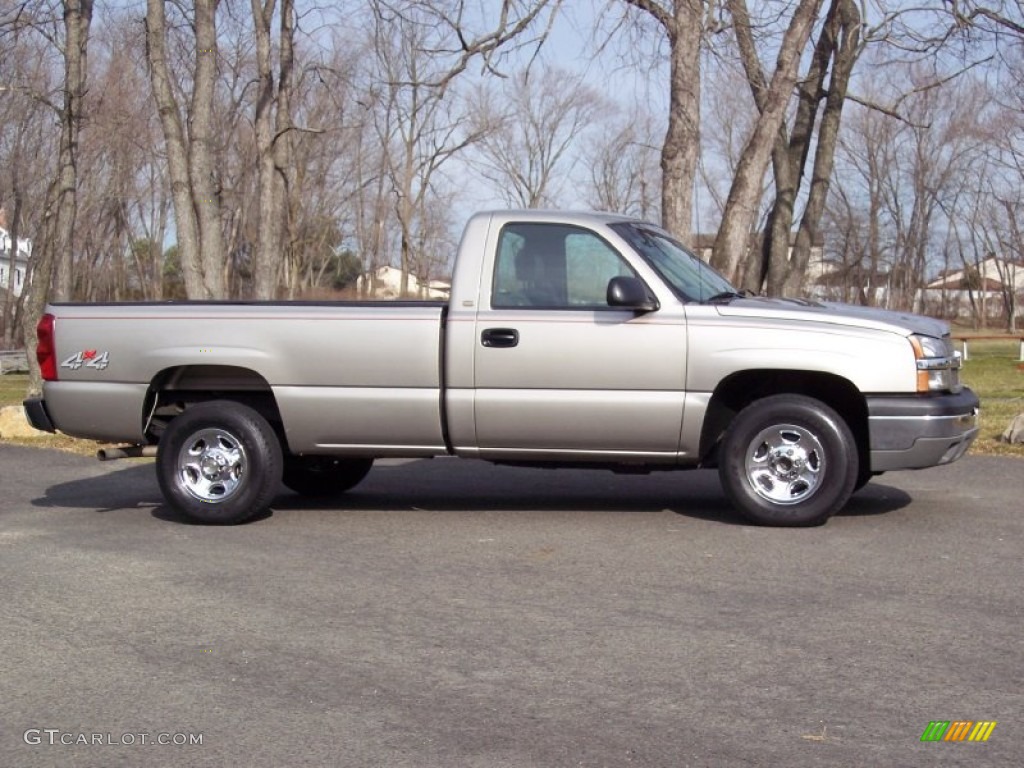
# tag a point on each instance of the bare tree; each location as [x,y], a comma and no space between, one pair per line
[190,146]
[417,124]
[838,46]
[302,153]
[420,49]
[985,220]
[915,178]
[26,152]
[1010,261]
[457,38]
[939,147]
[683,24]
[329,184]
[1007,153]
[77,20]
[273,127]
[123,210]
[623,162]
[741,207]
[857,205]
[526,131]
[53,250]
[728,115]
[998,16]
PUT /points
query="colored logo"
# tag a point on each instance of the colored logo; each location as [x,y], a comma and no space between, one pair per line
[958,730]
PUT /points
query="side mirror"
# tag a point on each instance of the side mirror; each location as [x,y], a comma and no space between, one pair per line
[630,293]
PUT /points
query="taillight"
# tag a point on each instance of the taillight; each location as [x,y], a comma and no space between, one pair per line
[46,350]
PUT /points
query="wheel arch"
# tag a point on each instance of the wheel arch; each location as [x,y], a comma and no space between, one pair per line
[739,389]
[174,389]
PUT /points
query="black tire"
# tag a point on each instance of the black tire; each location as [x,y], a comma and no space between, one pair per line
[864,477]
[788,460]
[324,475]
[219,462]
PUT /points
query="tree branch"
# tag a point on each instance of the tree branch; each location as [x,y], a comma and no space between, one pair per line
[657,12]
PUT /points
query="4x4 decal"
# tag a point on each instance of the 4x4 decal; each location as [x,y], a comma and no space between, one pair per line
[89,358]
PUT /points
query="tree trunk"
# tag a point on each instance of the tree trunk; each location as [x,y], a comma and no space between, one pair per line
[202,152]
[191,154]
[684,28]
[284,163]
[62,201]
[269,232]
[273,142]
[175,140]
[1010,267]
[7,323]
[789,158]
[681,149]
[77,18]
[732,242]
[846,45]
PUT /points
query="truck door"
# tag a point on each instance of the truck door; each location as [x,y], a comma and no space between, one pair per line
[559,373]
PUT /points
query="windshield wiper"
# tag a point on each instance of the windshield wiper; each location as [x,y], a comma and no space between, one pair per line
[726,296]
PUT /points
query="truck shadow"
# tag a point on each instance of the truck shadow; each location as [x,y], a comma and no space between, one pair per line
[130,487]
[446,485]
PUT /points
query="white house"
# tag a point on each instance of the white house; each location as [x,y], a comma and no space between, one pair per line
[992,273]
[18,264]
[386,283]
[953,289]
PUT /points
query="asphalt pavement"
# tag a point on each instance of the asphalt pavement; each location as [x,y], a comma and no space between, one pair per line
[450,613]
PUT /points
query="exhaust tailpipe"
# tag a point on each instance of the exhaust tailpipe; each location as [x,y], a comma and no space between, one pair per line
[126,452]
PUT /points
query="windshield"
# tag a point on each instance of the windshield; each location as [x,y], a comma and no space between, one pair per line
[690,278]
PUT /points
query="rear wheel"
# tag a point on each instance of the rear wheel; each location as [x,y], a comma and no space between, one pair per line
[788,460]
[324,475]
[219,462]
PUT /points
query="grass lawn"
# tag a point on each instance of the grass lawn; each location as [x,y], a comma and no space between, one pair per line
[12,388]
[997,375]
[993,371]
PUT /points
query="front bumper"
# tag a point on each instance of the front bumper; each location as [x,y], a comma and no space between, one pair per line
[918,431]
[37,415]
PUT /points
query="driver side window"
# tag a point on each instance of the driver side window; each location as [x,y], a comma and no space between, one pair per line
[554,266]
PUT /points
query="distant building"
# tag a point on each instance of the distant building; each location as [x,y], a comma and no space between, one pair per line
[19,264]
[990,275]
[386,283]
[951,292]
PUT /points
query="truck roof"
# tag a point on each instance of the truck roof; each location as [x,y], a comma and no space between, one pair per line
[555,216]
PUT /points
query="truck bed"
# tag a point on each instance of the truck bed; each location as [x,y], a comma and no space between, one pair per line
[324,361]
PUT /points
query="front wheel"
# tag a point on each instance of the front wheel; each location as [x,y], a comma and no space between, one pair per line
[219,462]
[788,460]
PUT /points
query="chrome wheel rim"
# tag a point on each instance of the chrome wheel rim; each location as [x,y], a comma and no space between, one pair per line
[212,465]
[785,464]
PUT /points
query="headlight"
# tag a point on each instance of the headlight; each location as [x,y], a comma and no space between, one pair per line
[938,366]
[929,346]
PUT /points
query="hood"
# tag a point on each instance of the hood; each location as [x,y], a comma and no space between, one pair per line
[805,310]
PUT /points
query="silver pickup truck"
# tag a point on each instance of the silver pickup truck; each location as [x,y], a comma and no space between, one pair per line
[582,339]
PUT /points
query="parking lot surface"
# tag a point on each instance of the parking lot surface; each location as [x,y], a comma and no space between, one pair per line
[451,613]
